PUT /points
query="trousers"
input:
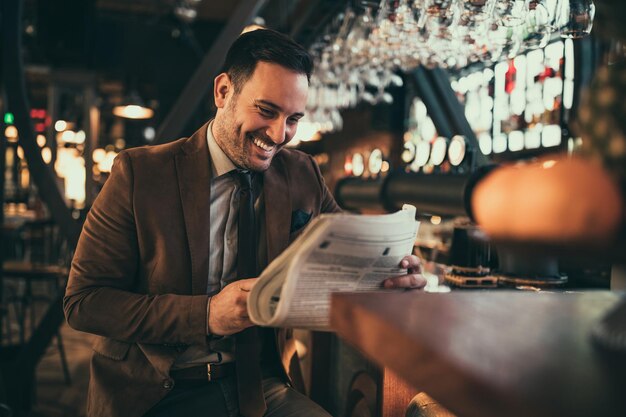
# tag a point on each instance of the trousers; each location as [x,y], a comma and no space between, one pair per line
[219,399]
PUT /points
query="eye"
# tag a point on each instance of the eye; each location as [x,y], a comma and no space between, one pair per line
[265,112]
[294,119]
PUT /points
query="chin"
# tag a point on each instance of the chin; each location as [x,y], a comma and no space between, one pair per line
[259,166]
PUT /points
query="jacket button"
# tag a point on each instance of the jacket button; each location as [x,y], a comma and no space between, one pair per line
[168,383]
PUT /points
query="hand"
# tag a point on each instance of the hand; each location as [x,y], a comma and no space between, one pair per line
[413,279]
[228,312]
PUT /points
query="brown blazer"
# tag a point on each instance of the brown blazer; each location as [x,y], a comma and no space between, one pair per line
[139,276]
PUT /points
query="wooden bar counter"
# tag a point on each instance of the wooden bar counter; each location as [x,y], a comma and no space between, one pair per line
[491,353]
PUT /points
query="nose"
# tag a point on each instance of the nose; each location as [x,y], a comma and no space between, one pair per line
[277,130]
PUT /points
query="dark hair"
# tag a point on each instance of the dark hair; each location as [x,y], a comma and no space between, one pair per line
[268,46]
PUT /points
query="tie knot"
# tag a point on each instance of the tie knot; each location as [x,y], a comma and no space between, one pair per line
[245,178]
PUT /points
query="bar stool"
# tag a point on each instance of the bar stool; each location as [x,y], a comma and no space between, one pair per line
[44,259]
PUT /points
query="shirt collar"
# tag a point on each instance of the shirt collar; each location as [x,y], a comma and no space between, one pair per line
[221,163]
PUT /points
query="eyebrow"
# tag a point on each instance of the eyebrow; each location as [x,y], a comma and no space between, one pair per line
[276,107]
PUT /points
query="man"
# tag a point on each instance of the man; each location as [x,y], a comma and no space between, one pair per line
[160,273]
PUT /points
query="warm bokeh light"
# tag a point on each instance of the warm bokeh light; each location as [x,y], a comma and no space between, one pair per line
[70,166]
[120,143]
[438,151]
[149,133]
[68,136]
[10,157]
[516,141]
[11,133]
[98,155]
[307,131]
[46,155]
[347,166]
[375,162]
[25,178]
[456,150]
[358,165]
[80,137]
[65,158]
[422,153]
[60,125]
[75,181]
[133,111]
[107,162]
[41,141]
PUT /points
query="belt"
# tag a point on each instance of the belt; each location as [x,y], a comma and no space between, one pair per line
[203,373]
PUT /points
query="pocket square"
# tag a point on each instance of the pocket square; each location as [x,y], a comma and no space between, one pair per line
[299,219]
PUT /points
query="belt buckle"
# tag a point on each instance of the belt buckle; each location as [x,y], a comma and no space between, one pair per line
[208,371]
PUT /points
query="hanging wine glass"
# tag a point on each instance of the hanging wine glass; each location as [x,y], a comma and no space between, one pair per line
[504,41]
[357,39]
[438,8]
[510,12]
[386,37]
[574,18]
[476,10]
[538,27]
[347,19]
[357,55]
[407,15]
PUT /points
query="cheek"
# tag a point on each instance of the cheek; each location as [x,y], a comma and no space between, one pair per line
[291,131]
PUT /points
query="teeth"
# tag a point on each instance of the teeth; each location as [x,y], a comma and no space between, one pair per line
[262,145]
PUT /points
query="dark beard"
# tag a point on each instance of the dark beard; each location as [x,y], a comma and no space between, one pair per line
[228,140]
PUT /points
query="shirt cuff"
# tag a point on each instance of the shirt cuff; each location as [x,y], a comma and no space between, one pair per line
[208,311]
[210,336]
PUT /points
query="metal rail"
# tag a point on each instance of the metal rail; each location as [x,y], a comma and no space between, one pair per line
[17,103]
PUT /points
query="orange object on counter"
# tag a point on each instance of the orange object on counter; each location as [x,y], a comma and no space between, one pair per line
[568,200]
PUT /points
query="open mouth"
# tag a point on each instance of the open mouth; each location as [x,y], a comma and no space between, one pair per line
[258,142]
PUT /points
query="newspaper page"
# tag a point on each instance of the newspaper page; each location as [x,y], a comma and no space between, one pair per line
[337,252]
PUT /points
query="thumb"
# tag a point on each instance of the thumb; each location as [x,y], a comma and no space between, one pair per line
[246,284]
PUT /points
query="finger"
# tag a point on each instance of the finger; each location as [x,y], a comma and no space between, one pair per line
[412,263]
[246,284]
[405,281]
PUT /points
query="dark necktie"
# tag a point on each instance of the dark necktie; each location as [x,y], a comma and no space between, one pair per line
[247,344]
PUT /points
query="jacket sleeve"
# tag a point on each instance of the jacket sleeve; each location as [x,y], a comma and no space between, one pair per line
[103,295]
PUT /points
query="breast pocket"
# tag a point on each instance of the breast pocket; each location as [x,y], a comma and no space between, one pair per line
[299,219]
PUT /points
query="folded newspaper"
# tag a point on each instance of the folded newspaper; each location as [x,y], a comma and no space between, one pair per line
[335,253]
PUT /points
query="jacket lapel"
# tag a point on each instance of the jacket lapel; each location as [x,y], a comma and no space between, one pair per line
[276,189]
[193,166]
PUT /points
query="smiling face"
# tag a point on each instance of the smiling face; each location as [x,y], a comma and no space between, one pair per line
[251,126]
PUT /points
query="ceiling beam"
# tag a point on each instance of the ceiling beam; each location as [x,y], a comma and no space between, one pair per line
[202,80]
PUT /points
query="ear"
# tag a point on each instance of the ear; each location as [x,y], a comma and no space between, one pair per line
[222,86]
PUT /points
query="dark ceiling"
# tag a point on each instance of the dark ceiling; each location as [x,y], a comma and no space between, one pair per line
[207,10]
[144,45]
